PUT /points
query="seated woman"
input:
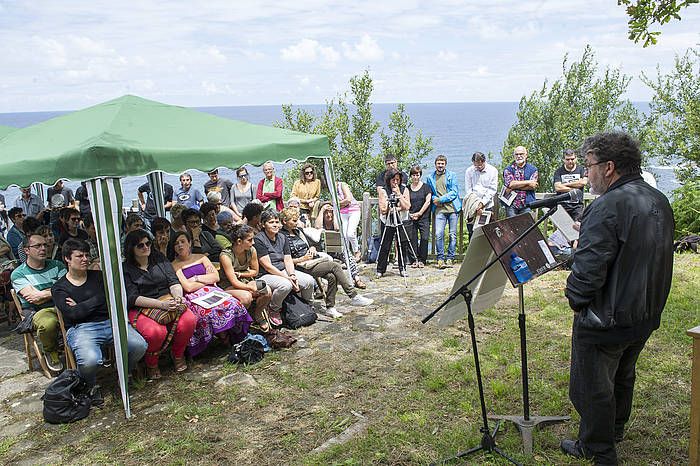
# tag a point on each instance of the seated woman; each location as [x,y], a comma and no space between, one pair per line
[308,189]
[251,215]
[228,320]
[326,220]
[307,259]
[277,266]
[151,283]
[240,267]
[160,228]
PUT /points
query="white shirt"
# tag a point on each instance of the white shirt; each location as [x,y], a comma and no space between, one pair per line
[482,183]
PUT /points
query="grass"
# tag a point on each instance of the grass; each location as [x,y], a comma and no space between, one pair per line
[416,387]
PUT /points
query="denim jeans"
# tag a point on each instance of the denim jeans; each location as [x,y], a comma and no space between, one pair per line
[440,221]
[513,211]
[86,341]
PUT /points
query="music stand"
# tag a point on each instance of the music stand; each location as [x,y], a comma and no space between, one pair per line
[488,442]
[533,248]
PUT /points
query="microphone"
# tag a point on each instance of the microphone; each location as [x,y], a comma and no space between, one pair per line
[575,195]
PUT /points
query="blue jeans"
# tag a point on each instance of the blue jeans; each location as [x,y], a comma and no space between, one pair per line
[513,211]
[440,221]
[86,341]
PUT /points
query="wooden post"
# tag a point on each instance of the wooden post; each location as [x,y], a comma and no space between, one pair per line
[695,399]
[366,220]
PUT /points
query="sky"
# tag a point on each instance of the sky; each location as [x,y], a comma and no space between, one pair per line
[65,55]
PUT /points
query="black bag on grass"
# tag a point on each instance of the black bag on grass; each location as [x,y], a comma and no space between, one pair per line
[249,351]
[297,312]
[67,398]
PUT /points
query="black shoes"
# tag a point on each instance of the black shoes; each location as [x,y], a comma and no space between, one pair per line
[574,448]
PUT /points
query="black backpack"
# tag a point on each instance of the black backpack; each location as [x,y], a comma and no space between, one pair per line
[297,312]
[67,398]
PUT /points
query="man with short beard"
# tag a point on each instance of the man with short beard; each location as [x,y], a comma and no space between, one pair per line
[520,177]
[187,195]
[568,177]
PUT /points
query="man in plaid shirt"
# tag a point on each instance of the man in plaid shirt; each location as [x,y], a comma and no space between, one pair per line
[520,177]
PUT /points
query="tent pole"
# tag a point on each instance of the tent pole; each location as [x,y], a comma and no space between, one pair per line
[330,176]
[155,180]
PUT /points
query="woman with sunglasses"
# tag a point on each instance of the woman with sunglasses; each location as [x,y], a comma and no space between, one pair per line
[241,192]
[198,277]
[151,283]
[307,190]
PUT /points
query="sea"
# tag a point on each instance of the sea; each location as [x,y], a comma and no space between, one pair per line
[457,131]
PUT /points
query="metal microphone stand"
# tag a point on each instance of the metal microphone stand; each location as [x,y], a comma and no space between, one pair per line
[488,441]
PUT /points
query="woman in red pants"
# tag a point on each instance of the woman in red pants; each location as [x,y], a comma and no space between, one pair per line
[151,285]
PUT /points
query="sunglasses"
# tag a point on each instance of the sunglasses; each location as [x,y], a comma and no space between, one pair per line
[308,173]
[144,245]
[243,175]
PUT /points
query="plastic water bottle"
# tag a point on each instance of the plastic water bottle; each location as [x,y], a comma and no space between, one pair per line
[520,268]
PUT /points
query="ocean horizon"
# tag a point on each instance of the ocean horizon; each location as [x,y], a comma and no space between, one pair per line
[457,129]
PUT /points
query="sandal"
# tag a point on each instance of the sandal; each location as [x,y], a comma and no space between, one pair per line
[152,373]
[275,318]
[180,364]
[360,284]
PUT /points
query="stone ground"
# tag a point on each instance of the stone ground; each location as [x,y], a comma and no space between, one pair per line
[394,317]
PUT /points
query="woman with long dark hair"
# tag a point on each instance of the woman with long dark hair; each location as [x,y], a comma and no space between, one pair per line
[394,204]
[152,285]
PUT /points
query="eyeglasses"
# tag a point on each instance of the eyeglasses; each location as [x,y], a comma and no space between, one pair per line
[144,245]
[39,246]
[193,222]
[308,173]
[589,165]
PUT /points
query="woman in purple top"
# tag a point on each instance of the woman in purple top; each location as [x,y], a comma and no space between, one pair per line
[228,320]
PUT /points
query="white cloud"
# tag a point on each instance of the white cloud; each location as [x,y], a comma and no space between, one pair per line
[446,56]
[309,51]
[365,50]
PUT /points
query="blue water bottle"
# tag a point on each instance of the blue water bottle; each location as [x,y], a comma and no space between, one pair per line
[520,268]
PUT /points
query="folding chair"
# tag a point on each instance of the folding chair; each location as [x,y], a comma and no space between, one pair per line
[70,358]
[31,348]
[334,242]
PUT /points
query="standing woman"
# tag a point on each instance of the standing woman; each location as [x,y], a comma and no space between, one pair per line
[419,217]
[277,266]
[350,214]
[151,283]
[240,267]
[241,193]
[394,189]
[198,277]
[308,189]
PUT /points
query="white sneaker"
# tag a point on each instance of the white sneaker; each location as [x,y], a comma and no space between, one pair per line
[360,300]
[333,312]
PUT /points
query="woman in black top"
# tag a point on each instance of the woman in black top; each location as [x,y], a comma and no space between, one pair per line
[151,283]
[418,217]
[391,217]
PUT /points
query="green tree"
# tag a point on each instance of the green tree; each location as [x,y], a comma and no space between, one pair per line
[645,13]
[561,115]
[352,134]
[674,134]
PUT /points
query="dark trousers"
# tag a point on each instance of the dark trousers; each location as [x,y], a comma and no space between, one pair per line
[416,228]
[601,388]
[385,248]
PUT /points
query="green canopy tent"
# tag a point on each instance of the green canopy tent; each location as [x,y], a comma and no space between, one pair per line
[132,136]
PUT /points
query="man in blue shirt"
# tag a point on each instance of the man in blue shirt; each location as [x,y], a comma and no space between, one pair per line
[30,203]
[188,196]
[15,235]
[446,205]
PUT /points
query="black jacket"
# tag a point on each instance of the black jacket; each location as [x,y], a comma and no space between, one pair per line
[621,274]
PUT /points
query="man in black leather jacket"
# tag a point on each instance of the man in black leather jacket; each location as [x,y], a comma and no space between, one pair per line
[619,283]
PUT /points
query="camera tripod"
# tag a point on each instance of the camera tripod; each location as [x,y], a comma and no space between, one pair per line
[393,220]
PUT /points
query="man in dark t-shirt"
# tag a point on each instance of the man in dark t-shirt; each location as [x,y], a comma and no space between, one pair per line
[149,205]
[390,162]
[219,185]
[570,176]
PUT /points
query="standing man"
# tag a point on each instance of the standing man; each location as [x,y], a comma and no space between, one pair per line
[481,181]
[389,163]
[270,189]
[619,282]
[187,195]
[567,177]
[81,196]
[446,205]
[219,185]
[520,177]
[30,203]
[66,192]
[33,281]
[148,206]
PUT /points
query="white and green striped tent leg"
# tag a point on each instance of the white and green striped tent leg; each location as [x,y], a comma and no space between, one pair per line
[39,191]
[155,179]
[105,195]
[330,176]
